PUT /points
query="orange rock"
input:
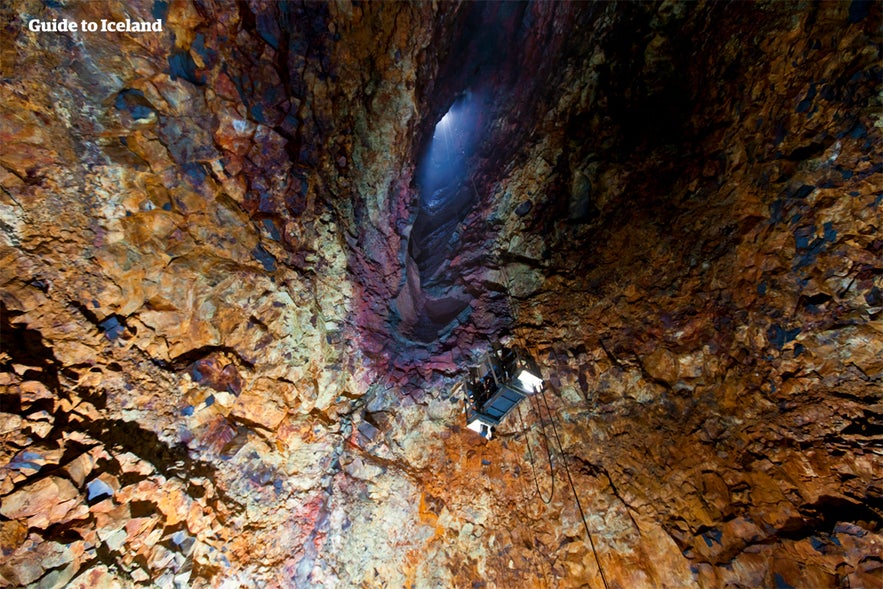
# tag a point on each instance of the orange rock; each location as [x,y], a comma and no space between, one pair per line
[44,502]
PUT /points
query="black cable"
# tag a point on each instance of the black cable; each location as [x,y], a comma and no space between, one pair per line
[523,342]
[512,308]
[538,410]
[533,467]
[573,488]
[524,499]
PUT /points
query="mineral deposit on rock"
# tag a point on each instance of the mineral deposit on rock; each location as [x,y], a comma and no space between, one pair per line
[248,256]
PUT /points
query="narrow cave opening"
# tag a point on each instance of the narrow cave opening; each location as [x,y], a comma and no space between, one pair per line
[446,195]
[460,156]
[444,182]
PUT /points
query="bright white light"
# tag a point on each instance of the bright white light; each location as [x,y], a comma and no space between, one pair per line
[446,120]
[529,381]
[480,427]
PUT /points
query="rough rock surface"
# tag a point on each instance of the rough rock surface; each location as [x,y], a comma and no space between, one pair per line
[231,331]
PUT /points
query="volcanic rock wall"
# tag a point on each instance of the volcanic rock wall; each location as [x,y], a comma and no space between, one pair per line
[181,371]
[702,277]
[206,380]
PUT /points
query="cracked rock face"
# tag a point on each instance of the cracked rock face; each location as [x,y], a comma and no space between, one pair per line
[233,322]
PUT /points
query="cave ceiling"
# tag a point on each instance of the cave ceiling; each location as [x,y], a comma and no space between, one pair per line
[248,254]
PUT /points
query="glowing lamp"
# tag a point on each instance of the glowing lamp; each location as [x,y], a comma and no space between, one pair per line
[529,381]
[479,426]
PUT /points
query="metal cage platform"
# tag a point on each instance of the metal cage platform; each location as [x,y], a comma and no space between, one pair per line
[503,378]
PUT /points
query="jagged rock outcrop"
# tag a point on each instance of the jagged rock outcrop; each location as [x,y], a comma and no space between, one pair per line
[232,326]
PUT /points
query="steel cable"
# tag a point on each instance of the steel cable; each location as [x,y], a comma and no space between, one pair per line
[573,488]
[533,466]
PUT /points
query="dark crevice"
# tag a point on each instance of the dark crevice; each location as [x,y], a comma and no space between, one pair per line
[26,346]
[184,360]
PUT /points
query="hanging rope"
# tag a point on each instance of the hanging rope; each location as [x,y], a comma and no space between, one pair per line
[536,561]
[512,308]
[573,488]
[532,465]
[520,339]
[579,506]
